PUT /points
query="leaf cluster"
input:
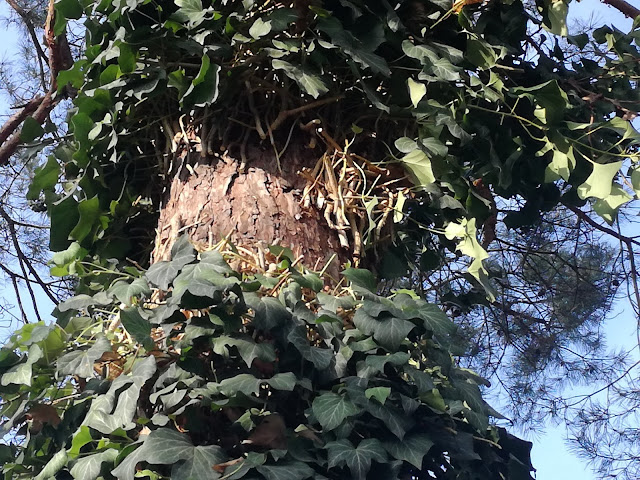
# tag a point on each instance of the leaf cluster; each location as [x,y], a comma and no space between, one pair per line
[365,385]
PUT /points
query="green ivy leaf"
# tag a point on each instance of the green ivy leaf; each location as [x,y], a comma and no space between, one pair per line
[412,449]
[53,466]
[125,291]
[89,210]
[248,349]
[290,470]
[69,9]
[22,373]
[80,362]
[480,53]
[137,326]
[190,11]
[600,182]
[199,465]
[608,207]
[88,468]
[204,87]
[31,129]
[308,82]
[362,278]
[379,393]
[332,409]
[260,28]
[164,447]
[116,408]
[555,16]
[45,178]
[419,167]
[358,459]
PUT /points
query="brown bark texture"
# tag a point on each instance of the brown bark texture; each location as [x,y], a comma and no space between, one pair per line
[254,205]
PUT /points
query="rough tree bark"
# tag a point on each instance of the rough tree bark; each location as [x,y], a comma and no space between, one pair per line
[253,205]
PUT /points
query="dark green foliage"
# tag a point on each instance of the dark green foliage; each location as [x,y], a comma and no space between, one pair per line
[367,389]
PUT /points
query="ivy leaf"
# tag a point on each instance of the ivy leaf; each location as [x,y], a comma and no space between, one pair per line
[417,90]
[45,178]
[53,466]
[204,87]
[80,362]
[361,278]
[480,53]
[600,182]
[269,312]
[260,28]
[308,82]
[190,11]
[379,393]
[608,207]
[281,18]
[89,210]
[283,381]
[291,470]
[561,166]
[22,373]
[358,459]
[377,362]
[412,449]
[435,320]
[88,468]
[555,16]
[332,409]
[393,418]
[165,447]
[116,408]
[249,350]
[31,130]
[419,167]
[125,291]
[444,70]
[243,383]
[320,357]
[137,326]
[199,465]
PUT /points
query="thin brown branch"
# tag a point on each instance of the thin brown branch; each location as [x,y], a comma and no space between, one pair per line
[583,216]
[10,133]
[284,114]
[624,7]
[24,261]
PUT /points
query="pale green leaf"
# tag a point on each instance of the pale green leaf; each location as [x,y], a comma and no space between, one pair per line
[88,468]
[600,182]
[608,207]
[417,90]
[260,28]
[419,167]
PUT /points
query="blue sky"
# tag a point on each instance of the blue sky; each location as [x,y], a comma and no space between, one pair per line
[551,456]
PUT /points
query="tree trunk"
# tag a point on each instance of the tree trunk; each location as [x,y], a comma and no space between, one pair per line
[252,203]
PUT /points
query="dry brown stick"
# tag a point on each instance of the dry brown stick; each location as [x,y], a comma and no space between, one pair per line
[17,118]
[284,114]
[624,7]
[43,105]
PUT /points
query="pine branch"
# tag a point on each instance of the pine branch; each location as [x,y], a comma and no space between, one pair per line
[624,7]
[39,108]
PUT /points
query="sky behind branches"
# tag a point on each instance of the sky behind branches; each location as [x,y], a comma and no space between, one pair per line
[552,457]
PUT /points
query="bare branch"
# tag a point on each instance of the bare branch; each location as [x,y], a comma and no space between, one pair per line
[624,7]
